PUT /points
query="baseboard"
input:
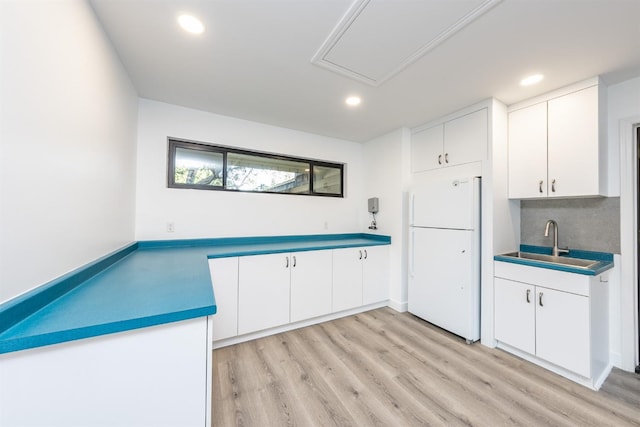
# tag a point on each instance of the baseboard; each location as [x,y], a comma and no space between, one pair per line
[616,359]
[592,383]
[291,326]
[400,307]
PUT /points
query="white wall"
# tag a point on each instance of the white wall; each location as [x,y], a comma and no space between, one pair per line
[202,213]
[387,176]
[624,101]
[67,146]
[624,108]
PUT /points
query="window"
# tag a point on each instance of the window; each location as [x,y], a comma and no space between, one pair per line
[210,167]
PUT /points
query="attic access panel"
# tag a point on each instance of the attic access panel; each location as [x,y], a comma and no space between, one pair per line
[377,39]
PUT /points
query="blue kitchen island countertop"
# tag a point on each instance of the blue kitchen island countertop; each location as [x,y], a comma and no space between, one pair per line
[144,284]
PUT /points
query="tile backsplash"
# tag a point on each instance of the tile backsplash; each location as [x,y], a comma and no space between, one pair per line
[588,224]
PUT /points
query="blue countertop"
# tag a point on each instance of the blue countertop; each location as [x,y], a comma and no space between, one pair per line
[144,284]
[605,260]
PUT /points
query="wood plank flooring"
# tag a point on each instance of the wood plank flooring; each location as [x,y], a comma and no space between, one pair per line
[384,368]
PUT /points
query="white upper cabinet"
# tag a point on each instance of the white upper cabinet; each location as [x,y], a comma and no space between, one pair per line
[426,149]
[528,152]
[455,142]
[466,138]
[573,145]
[556,147]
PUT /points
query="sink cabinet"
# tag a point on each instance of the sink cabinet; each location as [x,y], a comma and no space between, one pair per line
[557,145]
[455,142]
[556,319]
[550,324]
[562,329]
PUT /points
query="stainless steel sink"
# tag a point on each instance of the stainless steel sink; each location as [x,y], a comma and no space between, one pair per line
[550,259]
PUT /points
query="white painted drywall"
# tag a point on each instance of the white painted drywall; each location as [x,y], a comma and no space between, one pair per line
[205,214]
[67,146]
[623,113]
[624,101]
[387,176]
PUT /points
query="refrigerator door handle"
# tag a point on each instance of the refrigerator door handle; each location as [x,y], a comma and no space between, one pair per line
[411,253]
[412,202]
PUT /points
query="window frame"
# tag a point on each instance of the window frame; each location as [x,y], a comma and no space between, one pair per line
[174,143]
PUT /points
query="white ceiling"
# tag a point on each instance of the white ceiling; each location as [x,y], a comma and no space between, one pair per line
[254,60]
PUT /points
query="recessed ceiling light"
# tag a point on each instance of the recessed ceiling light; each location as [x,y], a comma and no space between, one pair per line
[352,101]
[531,80]
[191,24]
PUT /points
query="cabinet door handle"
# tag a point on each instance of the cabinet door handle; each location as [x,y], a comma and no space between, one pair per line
[528,296]
[446,157]
[553,186]
[365,254]
[287,262]
[440,159]
[540,299]
[360,254]
[540,186]
[294,260]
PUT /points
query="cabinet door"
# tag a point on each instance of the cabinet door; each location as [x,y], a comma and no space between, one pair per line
[426,149]
[465,139]
[224,276]
[263,292]
[347,278]
[573,144]
[528,152]
[310,284]
[375,274]
[562,330]
[514,314]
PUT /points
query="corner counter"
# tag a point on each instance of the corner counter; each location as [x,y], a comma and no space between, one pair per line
[144,284]
[132,334]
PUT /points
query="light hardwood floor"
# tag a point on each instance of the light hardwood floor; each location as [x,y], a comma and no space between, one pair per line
[384,368]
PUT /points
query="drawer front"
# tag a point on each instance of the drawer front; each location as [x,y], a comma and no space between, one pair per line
[552,279]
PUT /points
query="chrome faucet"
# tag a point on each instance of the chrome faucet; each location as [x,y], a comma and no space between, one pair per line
[555,251]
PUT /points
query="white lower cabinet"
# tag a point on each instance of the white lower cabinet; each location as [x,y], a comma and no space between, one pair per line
[263,292]
[562,329]
[558,318]
[375,274]
[551,324]
[347,278]
[224,276]
[154,376]
[360,276]
[515,314]
[255,293]
[276,289]
[310,284]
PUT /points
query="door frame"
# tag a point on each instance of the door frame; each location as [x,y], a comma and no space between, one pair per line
[629,243]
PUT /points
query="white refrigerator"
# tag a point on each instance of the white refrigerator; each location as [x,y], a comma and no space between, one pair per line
[444,254]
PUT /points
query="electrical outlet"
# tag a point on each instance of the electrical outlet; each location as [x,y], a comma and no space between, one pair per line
[326,225]
[171,227]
